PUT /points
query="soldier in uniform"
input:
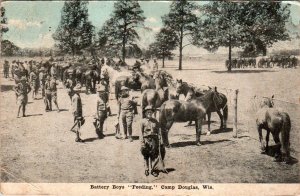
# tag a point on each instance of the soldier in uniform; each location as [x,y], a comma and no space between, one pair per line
[69,85]
[77,112]
[33,79]
[127,108]
[152,147]
[42,79]
[155,65]
[106,87]
[47,98]
[53,88]
[22,89]
[101,110]
[6,69]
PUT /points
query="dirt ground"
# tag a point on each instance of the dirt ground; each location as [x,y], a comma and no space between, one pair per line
[40,147]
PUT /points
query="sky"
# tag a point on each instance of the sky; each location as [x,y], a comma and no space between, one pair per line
[32,23]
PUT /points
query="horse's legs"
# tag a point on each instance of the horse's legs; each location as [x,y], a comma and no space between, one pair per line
[146,165]
[221,118]
[262,145]
[267,140]
[198,130]
[208,123]
[278,145]
[165,132]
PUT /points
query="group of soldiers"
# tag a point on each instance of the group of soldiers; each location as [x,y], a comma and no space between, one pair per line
[268,62]
[41,78]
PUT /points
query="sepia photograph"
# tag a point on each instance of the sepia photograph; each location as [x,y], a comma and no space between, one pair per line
[150,97]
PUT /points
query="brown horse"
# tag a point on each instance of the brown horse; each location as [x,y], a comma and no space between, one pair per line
[147,82]
[274,122]
[220,100]
[182,111]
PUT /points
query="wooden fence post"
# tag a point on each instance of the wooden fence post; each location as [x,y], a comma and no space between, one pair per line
[235,114]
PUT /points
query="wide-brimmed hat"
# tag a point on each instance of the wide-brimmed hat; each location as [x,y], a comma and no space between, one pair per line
[124,88]
[23,78]
[100,88]
[149,108]
[77,87]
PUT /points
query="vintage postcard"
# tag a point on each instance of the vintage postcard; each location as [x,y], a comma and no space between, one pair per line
[150,97]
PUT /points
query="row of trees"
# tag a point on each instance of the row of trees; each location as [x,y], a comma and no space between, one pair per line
[251,25]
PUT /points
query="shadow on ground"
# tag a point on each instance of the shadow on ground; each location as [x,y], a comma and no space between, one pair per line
[5,88]
[193,143]
[272,150]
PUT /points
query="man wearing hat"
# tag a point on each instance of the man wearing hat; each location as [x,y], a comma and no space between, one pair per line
[101,110]
[127,106]
[48,97]
[6,69]
[33,79]
[53,88]
[155,65]
[77,112]
[42,78]
[22,89]
[12,69]
[151,145]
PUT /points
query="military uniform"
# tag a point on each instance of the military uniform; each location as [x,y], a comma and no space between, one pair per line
[6,69]
[101,110]
[53,88]
[42,78]
[48,97]
[77,113]
[22,89]
[127,106]
[151,146]
[34,83]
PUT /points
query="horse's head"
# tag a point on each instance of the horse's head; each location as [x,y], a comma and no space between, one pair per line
[267,102]
[179,86]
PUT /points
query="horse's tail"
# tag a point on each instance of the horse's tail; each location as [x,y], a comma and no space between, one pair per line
[285,134]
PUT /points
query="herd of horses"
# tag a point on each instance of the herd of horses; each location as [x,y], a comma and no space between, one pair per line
[264,62]
[161,91]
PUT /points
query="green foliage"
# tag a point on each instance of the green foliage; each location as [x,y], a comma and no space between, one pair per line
[165,41]
[182,20]
[3,20]
[74,32]
[8,48]
[242,24]
[119,33]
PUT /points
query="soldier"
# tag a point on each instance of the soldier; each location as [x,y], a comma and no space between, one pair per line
[22,89]
[155,65]
[69,85]
[6,69]
[152,147]
[106,87]
[127,108]
[42,80]
[53,88]
[47,98]
[33,79]
[101,110]
[77,112]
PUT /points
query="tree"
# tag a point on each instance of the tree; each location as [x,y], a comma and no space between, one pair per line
[8,48]
[264,23]
[182,20]
[74,32]
[4,27]
[242,24]
[165,42]
[120,31]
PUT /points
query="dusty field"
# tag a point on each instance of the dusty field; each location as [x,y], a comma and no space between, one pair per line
[40,147]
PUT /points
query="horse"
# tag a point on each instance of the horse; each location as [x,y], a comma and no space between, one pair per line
[182,111]
[128,81]
[274,122]
[221,102]
[147,82]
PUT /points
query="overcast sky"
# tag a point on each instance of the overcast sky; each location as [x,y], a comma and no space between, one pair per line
[32,23]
